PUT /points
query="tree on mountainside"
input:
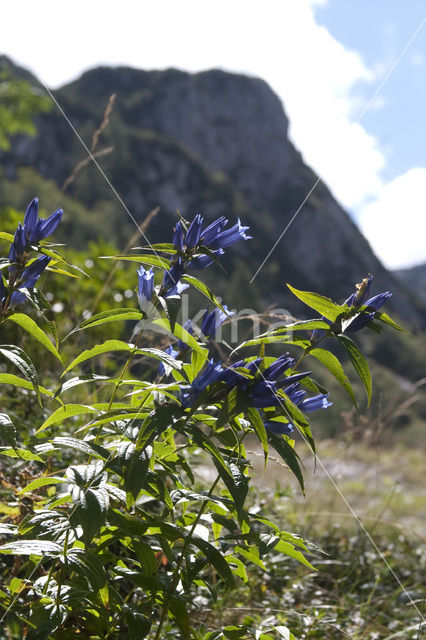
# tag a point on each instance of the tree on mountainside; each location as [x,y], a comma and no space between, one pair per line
[19,104]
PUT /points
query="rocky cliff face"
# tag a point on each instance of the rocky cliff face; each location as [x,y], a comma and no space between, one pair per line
[215,143]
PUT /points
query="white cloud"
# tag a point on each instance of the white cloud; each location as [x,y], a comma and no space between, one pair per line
[395,223]
[279,41]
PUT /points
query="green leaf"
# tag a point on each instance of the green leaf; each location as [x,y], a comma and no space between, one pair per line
[23,454]
[383,317]
[64,412]
[42,482]
[235,481]
[206,444]
[177,607]
[136,469]
[216,560]
[251,554]
[22,362]
[146,557]
[256,422]
[157,422]
[52,253]
[112,315]
[119,345]
[237,568]
[204,290]
[323,305]
[235,403]
[90,510]
[333,365]
[7,430]
[32,327]
[287,549]
[84,379]
[32,547]
[155,261]
[16,381]
[168,247]
[105,347]
[90,448]
[359,362]
[289,456]
[6,236]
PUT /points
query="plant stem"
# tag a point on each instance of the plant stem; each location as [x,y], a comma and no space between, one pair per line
[179,563]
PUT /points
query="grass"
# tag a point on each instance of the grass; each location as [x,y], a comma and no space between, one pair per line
[356,592]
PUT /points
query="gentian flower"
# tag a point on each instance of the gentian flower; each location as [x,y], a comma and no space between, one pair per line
[176,290]
[211,232]
[192,237]
[213,320]
[174,274]
[178,236]
[355,301]
[12,259]
[232,377]
[209,374]
[203,261]
[316,402]
[282,428]
[37,229]
[28,279]
[278,367]
[19,242]
[363,318]
[145,285]
[230,236]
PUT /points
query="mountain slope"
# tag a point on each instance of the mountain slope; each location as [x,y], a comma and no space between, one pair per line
[215,143]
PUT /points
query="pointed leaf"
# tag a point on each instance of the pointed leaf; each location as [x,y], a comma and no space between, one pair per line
[32,327]
[323,305]
[359,362]
[204,290]
[333,365]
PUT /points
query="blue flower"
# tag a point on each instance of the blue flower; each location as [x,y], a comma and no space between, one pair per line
[173,275]
[192,237]
[210,233]
[145,285]
[230,236]
[203,261]
[283,428]
[363,318]
[28,279]
[277,368]
[31,216]
[176,290]
[19,242]
[355,301]
[232,377]
[213,320]
[316,402]
[178,236]
[210,373]
[171,352]
[36,228]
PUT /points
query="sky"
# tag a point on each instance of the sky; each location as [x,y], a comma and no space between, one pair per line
[350,74]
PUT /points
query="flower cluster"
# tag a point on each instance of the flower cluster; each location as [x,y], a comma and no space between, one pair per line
[27,237]
[195,248]
[266,389]
[358,318]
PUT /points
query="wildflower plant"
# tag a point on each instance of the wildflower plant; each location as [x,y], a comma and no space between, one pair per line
[110,531]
